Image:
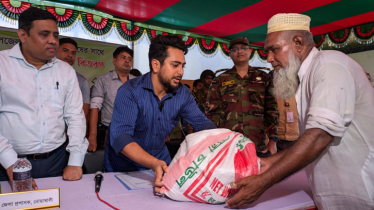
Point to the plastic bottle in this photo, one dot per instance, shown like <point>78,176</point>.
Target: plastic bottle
<point>22,180</point>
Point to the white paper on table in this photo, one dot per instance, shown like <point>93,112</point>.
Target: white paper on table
<point>137,180</point>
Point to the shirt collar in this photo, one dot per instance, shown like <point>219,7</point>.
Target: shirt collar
<point>15,52</point>
<point>307,62</point>
<point>147,84</point>
<point>114,75</point>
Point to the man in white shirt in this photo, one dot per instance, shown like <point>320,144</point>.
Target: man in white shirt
<point>335,103</point>
<point>38,94</point>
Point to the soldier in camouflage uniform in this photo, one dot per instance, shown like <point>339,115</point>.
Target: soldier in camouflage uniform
<point>206,78</point>
<point>241,99</point>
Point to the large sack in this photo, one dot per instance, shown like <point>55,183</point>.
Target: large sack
<point>205,165</point>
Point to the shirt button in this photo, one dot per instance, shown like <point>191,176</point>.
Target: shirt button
<point>43,123</point>
<point>40,88</point>
<point>159,119</point>
<point>156,134</point>
<point>42,106</point>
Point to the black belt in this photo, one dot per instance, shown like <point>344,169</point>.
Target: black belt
<point>40,156</point>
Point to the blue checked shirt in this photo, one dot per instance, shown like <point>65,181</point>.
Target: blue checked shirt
<point>137,118</point>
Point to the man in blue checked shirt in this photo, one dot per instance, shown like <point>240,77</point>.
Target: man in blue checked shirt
<point>147,108</point>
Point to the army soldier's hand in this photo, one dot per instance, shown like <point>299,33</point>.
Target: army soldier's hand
<point>159,168</point>
<point>271,146</point>
<point>251,188</point>
<point>92,143</point>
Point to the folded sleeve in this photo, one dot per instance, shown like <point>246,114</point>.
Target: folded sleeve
<point>332,99</point>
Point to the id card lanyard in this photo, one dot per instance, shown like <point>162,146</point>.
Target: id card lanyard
<point>289,112</point>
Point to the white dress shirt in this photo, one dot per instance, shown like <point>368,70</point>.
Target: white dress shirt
<point>34,105</point>
<point>335,95</point>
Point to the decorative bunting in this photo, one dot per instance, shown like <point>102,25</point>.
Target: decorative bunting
<point>262,54</point>
<point>100,27</point>
<point>65,17</point>
<point>13,11</point>
<point>96,25</point>
<point>208,47</point>
<point>188,41</point>
<point>153,33</point>
<point>132,33</point>
<point>319,40</point>
<point>225,49</point>
<point>347,39</point>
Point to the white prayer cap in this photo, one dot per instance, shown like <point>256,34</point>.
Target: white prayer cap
<point>288,21</point>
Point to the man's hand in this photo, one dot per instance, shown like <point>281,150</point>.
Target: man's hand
<point>9,171</point>
<point>159,168</point>
<point>271,146</point>
<point>252,188</point>
<point>92,143</point>
<point>72,173</point>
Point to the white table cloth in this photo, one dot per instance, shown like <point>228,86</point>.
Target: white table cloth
<point>292,193</point>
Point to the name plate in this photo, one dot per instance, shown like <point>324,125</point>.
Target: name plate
<point>38,199</point>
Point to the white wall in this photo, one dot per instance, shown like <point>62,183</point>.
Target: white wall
<point>366,60</point>
<point>196,61</point>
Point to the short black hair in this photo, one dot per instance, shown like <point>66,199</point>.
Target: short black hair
<point>121,49</point>
<point>69,41</point>
<point>160,45</point>
<point>135,72</point>
<point>195,82</point>
<point>28,16</point>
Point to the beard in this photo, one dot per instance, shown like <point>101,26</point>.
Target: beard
<point>286,80</point>
<point>167,82</point>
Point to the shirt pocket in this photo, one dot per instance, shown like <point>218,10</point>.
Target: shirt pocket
<point>58,96</point>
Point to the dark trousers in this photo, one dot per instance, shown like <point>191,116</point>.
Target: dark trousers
<point>284,144</point>
<point>52,166</point>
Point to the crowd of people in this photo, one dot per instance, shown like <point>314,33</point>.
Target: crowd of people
<point>315,110</point>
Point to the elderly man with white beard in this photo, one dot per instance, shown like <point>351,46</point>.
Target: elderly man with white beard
<point>335,104</point>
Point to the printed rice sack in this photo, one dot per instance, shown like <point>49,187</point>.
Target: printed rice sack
<point>206,163</point>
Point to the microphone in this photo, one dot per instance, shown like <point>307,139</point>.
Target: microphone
<point>98,178</point>
<point>161,106</point>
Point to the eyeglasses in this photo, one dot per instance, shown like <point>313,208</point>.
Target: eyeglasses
<point>241,49</point>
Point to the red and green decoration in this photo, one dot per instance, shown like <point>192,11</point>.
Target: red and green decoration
<point>319,40</point>
<point>340,36</point>
<point>224,48</point>
<point>347,39</point>
<point>188,40</point>
<point>65,17</point>
<point>129,31</point>
<point>364,34</point>
<point>95,24</point>
<point>12,9</point>
<point>262,54</point>
<point>207,46</point>
<point>153,33</point>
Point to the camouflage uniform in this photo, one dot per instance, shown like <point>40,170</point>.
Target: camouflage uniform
<point>201,96</point>
<point>245,105</point>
